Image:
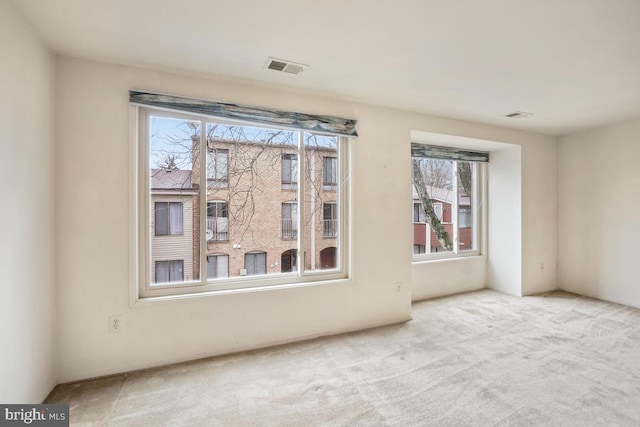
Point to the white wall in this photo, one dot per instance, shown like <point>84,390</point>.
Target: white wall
<point>522,217</point>
<point>505,221</point>
<point>27,320</point>
<point>599,203</point>
<point>92,184</point>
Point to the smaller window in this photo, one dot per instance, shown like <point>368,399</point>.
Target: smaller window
<point>419,249</point>
<point>289,171</point>
<point>218,167</point>
<point>217,266</point>
<point>438,208</point>
<point>329,220</point>
<point>169,271</point>
<point>289,220</point>
<point>418,213</point>
<point>217,221</point>
<point>288,261</point>
<point>255,263</point>
<point>465,218</point>
<point>328,258</point>
<point>168,218</point>
<point>330,173</point>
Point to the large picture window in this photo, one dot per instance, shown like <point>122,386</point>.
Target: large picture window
<point>260,214</point>
<point>447,205</point>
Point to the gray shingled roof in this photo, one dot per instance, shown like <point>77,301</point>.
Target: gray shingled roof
<point>170,179</point>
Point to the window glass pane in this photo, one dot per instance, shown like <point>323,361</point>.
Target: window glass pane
<point>322,225</point>
<point>289,167</point>
<point>255,263</point>
<point>254,212</point>
<point>222,267</point>
<point>175,217</point>
<point>217,266</point>
<point>176,273</point>
<point>217,166</point>
<point>433,193</point>
<point>162,272</point>
<point>161,218</point>
<point>174,196</point>
<point>330,172</point>
<point>466,200</point>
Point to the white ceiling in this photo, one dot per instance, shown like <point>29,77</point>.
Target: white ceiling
<point>575,64</point>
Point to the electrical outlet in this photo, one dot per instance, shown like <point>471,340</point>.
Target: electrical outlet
<point>398,286</point>
<point>116,323</point>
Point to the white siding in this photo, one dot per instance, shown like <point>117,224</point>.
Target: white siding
<point>165,248</point>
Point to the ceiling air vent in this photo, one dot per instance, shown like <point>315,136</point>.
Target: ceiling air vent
<point>518,115</point>
<point>285,66</point>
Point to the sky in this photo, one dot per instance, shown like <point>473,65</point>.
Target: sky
<point>171,137</point>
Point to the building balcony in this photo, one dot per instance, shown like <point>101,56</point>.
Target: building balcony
<point>289,229</point>
<point>329,228</point>
<point>217,229</point>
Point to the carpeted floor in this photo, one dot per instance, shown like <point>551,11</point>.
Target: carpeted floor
<point>481,359</point>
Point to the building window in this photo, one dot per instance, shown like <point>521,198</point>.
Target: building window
<point>169,271</point>
<point>328,258</point>
<point>255,162</point>
<point>446,207</point>
<point>289,261</point>
<point>329,220</point>
<point>418,213</point>
<point>438,208</point>
<point>255,263</point>
<point>329,173</point>
<point>217,266</point>
<point>465,219</point>
<point>217,221</point>
<point>218,167</point>
<point>168,218</point>
<point>289,171</point>
<point>290,220</point>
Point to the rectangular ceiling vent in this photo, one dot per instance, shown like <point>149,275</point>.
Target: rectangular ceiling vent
<point>518,115</point>
<point>285,66</point>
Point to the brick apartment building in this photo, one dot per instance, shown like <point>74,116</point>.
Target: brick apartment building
<point>252,211</point>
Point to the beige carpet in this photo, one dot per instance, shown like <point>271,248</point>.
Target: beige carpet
<point>482,359</point>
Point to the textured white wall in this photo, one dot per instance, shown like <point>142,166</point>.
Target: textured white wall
<point>92,190</point>
<point>522,216</point>
<point>92,184</point>
<point>505,221</point>
<point>599,203</point>
<point>27,319</point>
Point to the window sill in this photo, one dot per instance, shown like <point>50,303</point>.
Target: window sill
<point>153,300</point>
<point>448,258</point>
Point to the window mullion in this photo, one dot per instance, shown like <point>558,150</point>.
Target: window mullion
<point>454,209</point>
<point>302,218</point>
<point>202,235</point>
<point>475,200</point>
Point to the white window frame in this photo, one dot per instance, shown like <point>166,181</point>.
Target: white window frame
<point>479,226</point>
<point>141,288</point>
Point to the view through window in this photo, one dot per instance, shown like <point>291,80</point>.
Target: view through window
<point>446,206</point>
<point>257,210</point>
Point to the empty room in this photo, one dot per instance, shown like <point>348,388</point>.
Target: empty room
<point>320,213</point>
